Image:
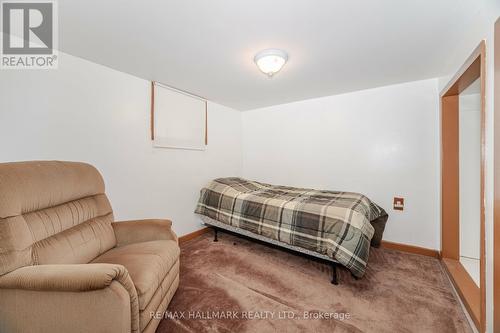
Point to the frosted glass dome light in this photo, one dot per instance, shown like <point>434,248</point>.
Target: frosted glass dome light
<point>270,61</point>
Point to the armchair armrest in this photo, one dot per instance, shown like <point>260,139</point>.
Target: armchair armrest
<point>77,293</point>
<point>136,231</point>
<point>82,277</point>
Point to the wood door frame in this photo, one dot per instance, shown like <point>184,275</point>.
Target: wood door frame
<point>496,182</point>
<point>473,297</point>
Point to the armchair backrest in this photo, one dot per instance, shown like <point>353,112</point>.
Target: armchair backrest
<point>52,213</point>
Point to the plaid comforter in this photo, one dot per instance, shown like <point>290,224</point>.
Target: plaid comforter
<point>336,224</point>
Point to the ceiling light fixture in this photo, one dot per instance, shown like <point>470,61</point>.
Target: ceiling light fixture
<point>270,61</point>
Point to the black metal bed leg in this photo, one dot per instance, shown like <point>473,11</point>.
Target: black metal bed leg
<point>335,279</point>
<point>215,235</point>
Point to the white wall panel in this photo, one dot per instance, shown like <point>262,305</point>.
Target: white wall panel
<point>87,112</point>
<point>382,142</point>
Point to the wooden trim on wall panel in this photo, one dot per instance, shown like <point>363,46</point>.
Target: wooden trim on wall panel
<point>152,110</point>
<point>482,251</point>
<point>467,78</point>
<point>496,182</point>
<point>467,74</point>
<point>473,69</point>
<point>193,235</point>
<point>410,249</point>
<point>450,178</point>
<point>466,288</point>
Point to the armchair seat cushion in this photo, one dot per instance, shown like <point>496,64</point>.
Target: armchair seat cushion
<point>148,263</point>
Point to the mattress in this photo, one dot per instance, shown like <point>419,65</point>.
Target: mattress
<point>331,223</point>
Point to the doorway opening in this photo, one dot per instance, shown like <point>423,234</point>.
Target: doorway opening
<point>462,183</point>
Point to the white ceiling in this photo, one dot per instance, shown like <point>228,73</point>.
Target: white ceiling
<point>206,47</point>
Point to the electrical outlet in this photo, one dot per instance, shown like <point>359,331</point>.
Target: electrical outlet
<point>399,203</point>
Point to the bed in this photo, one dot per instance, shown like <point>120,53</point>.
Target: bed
<point>335,226</point>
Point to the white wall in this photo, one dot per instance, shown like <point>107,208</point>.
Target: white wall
<point>382,142</point>
<point>87,112</point>
<point>470,174</point>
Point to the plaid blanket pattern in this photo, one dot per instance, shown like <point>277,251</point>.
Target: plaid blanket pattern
<point>336,224</point>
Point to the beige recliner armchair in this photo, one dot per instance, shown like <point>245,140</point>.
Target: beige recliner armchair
<point>65,266</point>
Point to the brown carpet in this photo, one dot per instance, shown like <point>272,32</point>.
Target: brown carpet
<point>259,285</point>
